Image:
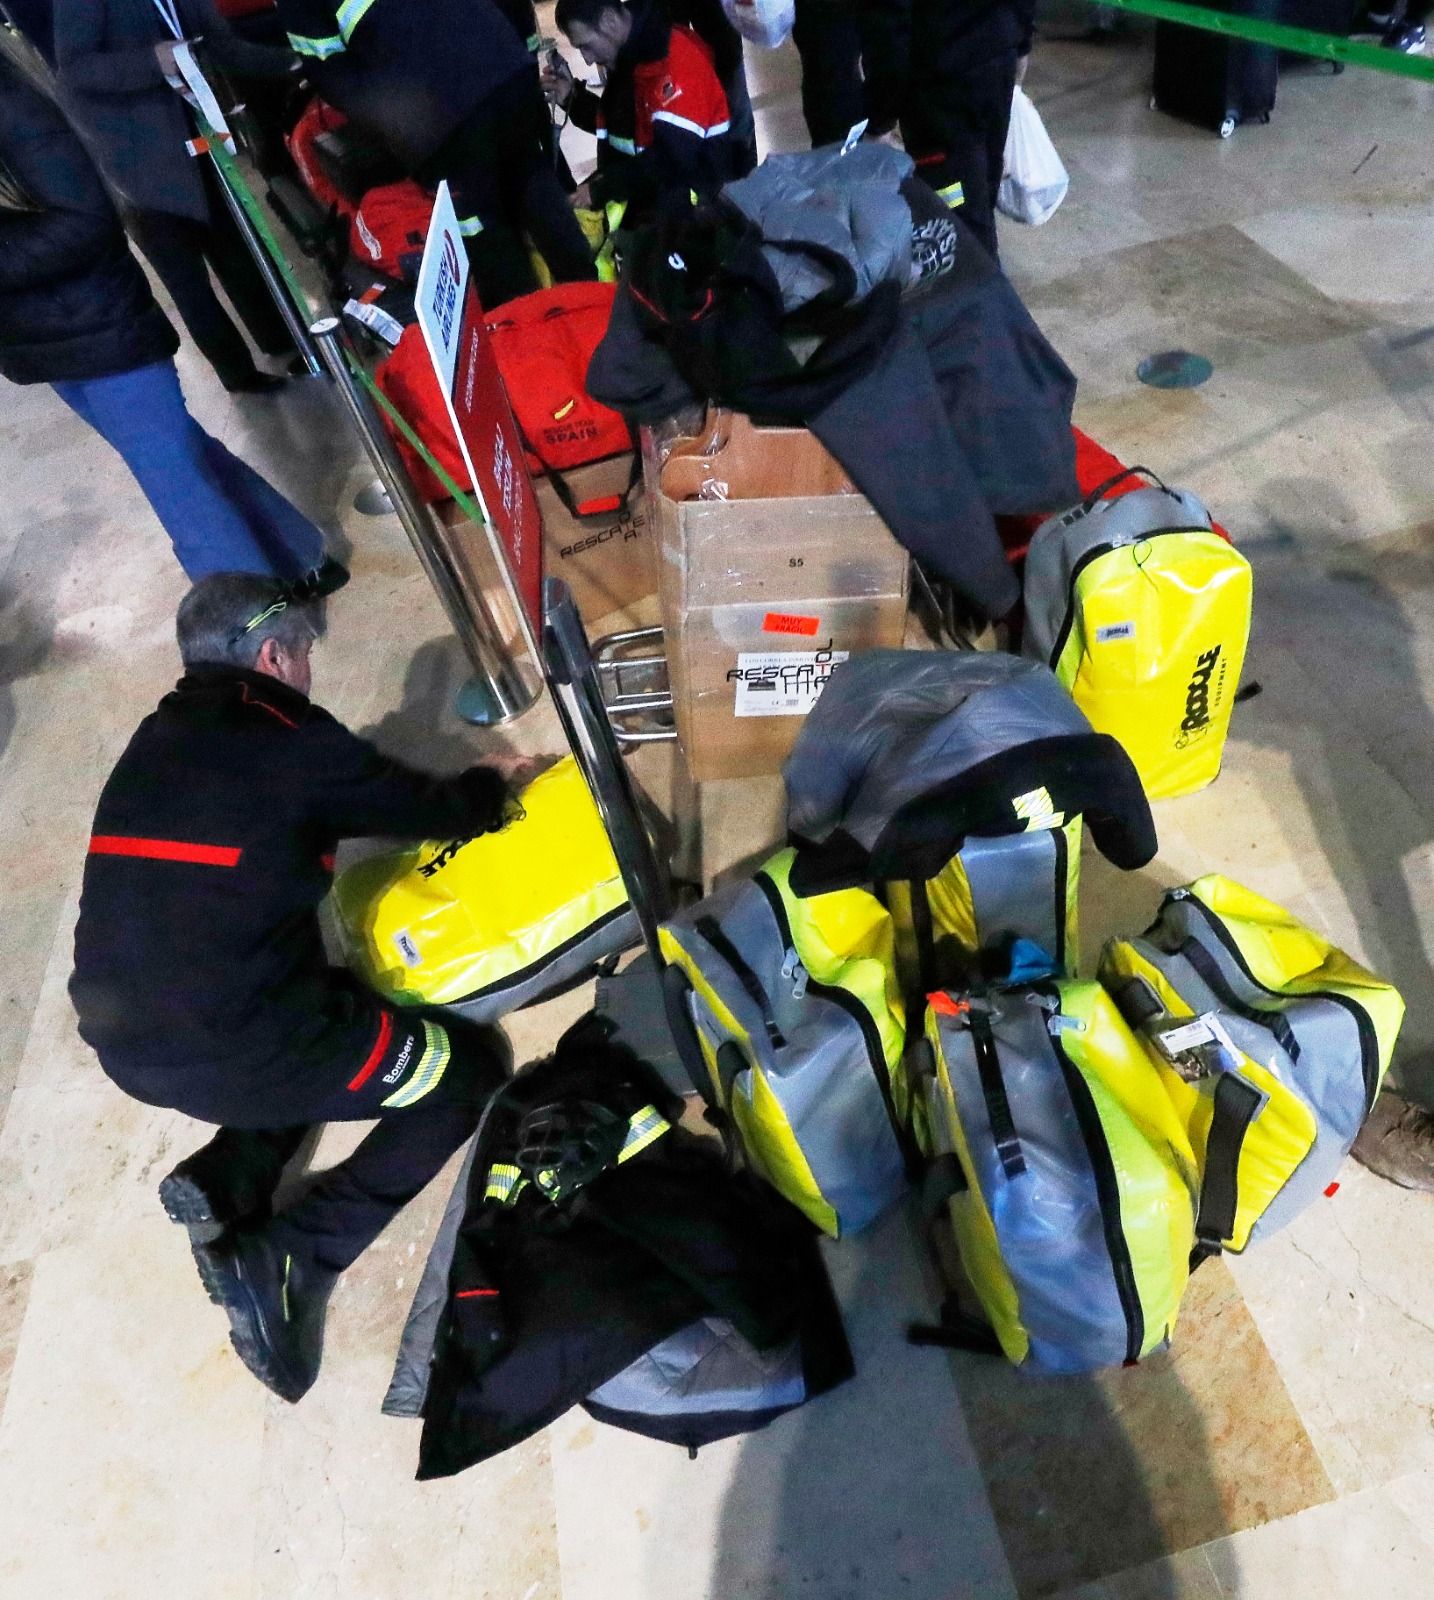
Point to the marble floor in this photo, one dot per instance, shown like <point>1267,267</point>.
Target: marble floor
<point>1284,1448</point>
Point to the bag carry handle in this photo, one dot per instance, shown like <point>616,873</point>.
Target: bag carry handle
<point>677,993</point>
<point>957,1330</point>
<point>993,1088</point>
<point>1236,1104</point>
<point>1097,495</point>
<point>607,505</point>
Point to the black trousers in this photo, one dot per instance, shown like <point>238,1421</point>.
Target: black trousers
<point>500,168</point>
<point>183,253</point>
<point>425,1081</point>
<point>954,125</point>
<point>833,99</point>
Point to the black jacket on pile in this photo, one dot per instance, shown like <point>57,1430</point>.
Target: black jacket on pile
<point>410,71</point>
<point>946,406</point>
<point>198,954</point>
<point>74,302</point>
<point>547,1302</point>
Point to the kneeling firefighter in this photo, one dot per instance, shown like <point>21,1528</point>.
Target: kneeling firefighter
<point>452,88</point>
<point>200,977</point>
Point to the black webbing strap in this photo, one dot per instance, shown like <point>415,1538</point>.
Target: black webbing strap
<point>1098,494</point>
<point>942,1181</point>
<point>957,1330</point>
<point>998,1106</point>
<point>677,1004</point>
<point>1215,980</point>
<point>712,933</point>
<point>1236,1103</point>
<point>925,932</point>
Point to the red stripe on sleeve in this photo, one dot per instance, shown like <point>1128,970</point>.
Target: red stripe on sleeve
<point>367,1070</point>
<point>475,1294</point>
<point>203,855</point>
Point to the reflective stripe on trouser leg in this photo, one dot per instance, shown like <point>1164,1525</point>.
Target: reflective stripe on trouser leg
<point>953,194</point>
<point>349,15</point>
<point>429,1070</point>
<point>316,49</point>
<point>470,227</point>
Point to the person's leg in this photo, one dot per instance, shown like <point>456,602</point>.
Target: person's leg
<point>174,247</point>
<point>143,416</point>
<point>427,1084</point>
<point>743,133</point>
<point>291,544</point>
<point>955,130</point>
<point>233,263</point>
<point>827,40</point>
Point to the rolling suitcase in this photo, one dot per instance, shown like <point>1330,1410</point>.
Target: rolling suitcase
<point>1213,82</point>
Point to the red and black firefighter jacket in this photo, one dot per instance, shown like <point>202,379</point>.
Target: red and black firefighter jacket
<point>661,121</point>
<point>198,956</point>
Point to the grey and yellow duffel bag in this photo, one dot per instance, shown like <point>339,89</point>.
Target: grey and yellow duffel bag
<point>1271,1044</point>
<point>993,892</point>
<point>1067,1175</point>
<point>792,1025</point>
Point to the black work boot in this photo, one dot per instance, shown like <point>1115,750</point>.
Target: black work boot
<point>276,1304</point>
<point>229,1182</point>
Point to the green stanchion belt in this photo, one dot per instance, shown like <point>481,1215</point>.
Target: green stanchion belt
<point>230,173</point>
<point>1301,41</point>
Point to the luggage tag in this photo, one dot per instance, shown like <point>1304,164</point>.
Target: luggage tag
<point>1196,1047</point>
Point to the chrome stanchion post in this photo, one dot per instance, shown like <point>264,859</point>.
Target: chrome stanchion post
<point>273,282</point>
<point>499,690</point>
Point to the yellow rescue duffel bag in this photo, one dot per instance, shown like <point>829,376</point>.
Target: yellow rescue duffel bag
<point>1142,611</point>
<point>487,925</point>
<point>1272,1045</point>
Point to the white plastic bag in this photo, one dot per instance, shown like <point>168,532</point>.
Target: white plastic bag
<point>764,22</point>
<point>1036,180</point>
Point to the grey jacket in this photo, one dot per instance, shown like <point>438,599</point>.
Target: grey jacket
<point>848,206</point>
<point>112,88</point>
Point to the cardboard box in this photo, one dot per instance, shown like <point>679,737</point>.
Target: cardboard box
<point>609,562</point>
<point>765,590</point>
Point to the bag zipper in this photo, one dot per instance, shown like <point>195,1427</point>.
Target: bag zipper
<point>1364,1026</point>
<point>1107,1190</point>
<point>871,1035</point>
<point>1093,554</point>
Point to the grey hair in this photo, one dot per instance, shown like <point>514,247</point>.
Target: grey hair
<point>218,622</point>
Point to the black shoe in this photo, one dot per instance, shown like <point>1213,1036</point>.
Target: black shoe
<point>324,579</point>
<point>257,383</point>
<point>1408,39</point>
<point>276,1304</point>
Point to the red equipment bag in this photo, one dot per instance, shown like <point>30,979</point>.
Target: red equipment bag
<point>389,229</point>
<point>408,380</point>
<point>1095,465</point>
<point>316,118</point>
<point>543,343</point>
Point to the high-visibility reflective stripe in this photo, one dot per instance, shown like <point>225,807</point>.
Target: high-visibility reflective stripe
<point>317,49</point>
<point>350,14</point>
<point>199,855</point>
<point>625,147</point>
<point>431,1066</point>
<point>690,126</point>
<point>504,1184</point>
<point>953,194</point>
<point>643,1128</point>
<point>470,227</point>
<point>535,42</point>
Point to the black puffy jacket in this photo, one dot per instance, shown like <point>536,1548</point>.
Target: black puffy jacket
<point>74,303</point>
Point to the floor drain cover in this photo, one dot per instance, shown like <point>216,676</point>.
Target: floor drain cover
<point>1174,369</point>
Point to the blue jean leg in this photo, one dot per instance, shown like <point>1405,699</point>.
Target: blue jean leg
<point>219,514</point>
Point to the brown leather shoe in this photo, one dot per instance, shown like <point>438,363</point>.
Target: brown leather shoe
<point>1398,1143</point>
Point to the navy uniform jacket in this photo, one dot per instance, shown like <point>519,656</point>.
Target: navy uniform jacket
<point>197,952</point>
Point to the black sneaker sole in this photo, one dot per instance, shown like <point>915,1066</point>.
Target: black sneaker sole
<point>186,1203</point>
<point>249,1333</point>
